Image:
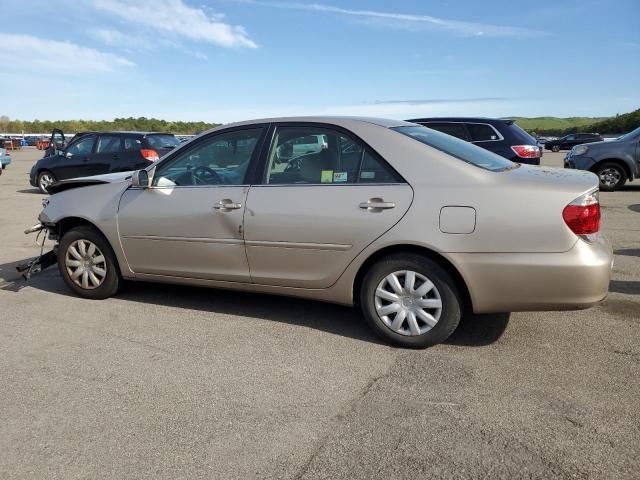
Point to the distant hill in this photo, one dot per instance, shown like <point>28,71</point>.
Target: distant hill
<point>554,123</point>
<point>562,126</point>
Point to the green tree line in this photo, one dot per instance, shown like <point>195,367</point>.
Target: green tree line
<point>613,125</point>
<point>142,124</point>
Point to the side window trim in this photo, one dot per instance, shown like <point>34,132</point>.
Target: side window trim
<point>260,174</point>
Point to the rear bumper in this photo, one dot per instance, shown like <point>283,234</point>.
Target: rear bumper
<point>512,282</point>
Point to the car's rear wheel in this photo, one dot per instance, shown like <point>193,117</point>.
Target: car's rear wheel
<point>612,176</point>
<point>410,301</point>
<point>555,148</point>
<point>87,263</point>
<point>45,178</point>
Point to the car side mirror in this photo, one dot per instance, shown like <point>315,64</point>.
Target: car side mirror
<point>140,178</point>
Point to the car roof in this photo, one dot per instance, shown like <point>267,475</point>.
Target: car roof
<point>344,121</point>
<point>126,132</point>
<point>462,119</point>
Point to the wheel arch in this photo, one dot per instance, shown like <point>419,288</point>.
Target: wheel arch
<point>467,303</point>
<point>617,161</point>
<point>63,225</point>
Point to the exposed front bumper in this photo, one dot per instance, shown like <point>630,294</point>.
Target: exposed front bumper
<point>512,282</point>
<point>578,162</point>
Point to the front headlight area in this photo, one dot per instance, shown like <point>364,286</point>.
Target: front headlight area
<point>579,150</point>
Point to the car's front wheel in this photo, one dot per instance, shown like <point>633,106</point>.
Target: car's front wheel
<point>45,178</point>
<point>612,176</point>
<point>410,301</point>
<point>555,148</point>
<point>87,263</point>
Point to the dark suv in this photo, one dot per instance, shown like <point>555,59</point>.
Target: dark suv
<point>499,136</point>
<point>569,141</point>
<point>95,153</point>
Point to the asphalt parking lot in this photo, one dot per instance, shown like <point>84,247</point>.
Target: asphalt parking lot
<point>180,382</point>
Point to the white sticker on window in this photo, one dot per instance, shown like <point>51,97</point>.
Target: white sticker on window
<point>340,176</point>
<point>368,175</point>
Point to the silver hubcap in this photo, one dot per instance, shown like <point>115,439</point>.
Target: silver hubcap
<point>45,180</point>
<point>85,264</point>
<point>609,177</point>
<point>408,303</point>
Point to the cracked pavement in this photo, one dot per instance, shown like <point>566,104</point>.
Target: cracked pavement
<point>179,382</point>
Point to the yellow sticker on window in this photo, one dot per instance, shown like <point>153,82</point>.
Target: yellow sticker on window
<point>326,176</point>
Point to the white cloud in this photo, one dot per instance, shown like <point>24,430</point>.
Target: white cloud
<point>176,17</point>
<point>51,55</point>
<point>407,21</point>
<point>116,38</point>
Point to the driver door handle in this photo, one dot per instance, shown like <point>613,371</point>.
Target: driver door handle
<point>376,204</point>
<point>226,204</point>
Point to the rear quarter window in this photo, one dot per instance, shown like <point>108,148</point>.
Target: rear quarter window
<point>482,132</point>
<point>465,151</point>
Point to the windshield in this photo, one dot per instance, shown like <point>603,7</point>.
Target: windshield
<point>163,141</point>
<point>455,147</point>
<point>632,134</point>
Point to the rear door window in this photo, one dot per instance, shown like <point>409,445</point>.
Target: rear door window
<point>458,130</point>
<point>108,144</point>
<point>339,159</point>
<point>482,132</point>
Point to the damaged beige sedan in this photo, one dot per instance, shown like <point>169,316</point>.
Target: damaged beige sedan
<point>414,226</point>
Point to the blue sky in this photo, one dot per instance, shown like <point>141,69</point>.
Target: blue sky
<point>226,60</point>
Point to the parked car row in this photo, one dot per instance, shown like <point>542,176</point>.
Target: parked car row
<point>96,153</point>
<point>405,221</point>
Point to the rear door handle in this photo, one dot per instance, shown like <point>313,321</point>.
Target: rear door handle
<point>226,204</point>
<point>378,204</point>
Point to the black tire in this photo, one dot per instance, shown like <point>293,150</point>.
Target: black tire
<point>39,180</point>
<point>606,180</point>
<point>112,280</point>
<point>555,148</point>
<point>444,283</point>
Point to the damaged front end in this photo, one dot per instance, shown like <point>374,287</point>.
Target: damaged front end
<point>44,260</point>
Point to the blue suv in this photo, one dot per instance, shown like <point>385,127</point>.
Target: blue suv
<point>500,136</point>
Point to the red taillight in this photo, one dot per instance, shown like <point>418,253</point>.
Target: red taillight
<point>526,151</point>
<point>582,215</point>
<point>149,155</point>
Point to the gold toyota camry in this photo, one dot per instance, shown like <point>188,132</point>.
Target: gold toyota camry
<point>413,225</point>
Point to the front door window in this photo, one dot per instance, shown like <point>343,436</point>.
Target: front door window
<point>221,159</point>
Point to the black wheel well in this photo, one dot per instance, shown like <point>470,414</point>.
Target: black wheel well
<point>415,249</point>
<point>67,223</point>
<point>617,161</point>
<point>45,169</point>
